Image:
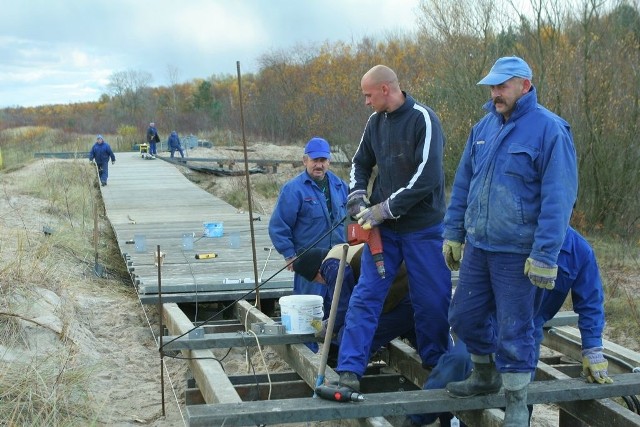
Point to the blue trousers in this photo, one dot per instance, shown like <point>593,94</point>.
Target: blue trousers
<point>152,148</point>
<point>429,290</point>
<point>103,171</point>
<point>493,306</point>
<point>178,149</point>
<point>454,365</point>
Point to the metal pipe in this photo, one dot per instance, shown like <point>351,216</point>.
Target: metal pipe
<point>249,200</point>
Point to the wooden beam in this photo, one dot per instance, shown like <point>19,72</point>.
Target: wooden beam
<point>395,404</point>
<point>205,368</point>
<point>567,340</point>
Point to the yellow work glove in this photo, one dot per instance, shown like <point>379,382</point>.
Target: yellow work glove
<point>452,252</point>
<point>374,215</point>
<point>321,328</point>
<point>541,275</point>
<point>595,366</point>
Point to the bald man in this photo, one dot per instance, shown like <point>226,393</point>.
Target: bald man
<point>404,139</point>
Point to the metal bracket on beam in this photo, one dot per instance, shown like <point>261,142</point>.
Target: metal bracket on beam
<point>268,328</point>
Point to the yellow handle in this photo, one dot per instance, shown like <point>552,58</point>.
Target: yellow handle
<point>206,256</point>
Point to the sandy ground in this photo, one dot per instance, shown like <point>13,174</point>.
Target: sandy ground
<point>108,328</point>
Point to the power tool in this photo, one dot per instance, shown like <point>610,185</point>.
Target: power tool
<point>338,394</point>
<point>357,235</point>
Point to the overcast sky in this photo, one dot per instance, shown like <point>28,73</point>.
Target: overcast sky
<point>63,51</point>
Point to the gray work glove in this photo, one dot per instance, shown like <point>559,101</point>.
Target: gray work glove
<point>321,328</point>
<point>541,275</point>
<point>375,215</point>
<point>595,366</point>
<point>356,202</point>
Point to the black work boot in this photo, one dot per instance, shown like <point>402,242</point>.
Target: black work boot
<point>516,414</point>
<point>349,379</point>
<point>484,379</point>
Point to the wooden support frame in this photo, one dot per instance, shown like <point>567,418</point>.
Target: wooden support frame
<point>399,404</point>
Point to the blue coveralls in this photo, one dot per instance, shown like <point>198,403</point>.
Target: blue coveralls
<point>152,139</point>
<point>394,323</point>
<point>511,199</point>
<point>301,217</point>
<point>101,153</point>
<point>578,273</point>
<point>174,144</point>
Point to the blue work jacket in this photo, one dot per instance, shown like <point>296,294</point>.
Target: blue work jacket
<point>301,216</point>
<point>516,183</point>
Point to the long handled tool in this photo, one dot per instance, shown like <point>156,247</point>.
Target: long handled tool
<point>332,319</point>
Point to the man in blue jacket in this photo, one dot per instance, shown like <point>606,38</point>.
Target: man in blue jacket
<point>100,154</point>
<point>404,139</point>
<point>578,273</point>
<point>309,205</point>
<point>152,139</point>
<point>510,206</point>
<point>174,144</point>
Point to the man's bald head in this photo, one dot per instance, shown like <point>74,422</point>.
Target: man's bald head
<point>381,74</point>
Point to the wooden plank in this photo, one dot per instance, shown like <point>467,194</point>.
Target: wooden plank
<point>397,404</point>
<point>205,368</point>
<point>595,412</point>
<point>566,340</point>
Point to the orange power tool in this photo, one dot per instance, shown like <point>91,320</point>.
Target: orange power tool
<point>357,235</point>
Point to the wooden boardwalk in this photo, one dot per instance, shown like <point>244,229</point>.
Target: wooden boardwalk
<point>151,203</point>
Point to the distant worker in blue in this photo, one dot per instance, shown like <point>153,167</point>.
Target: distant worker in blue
<point>321,266</point>
<point>174,144</point>
<point>101,153</point>
<point>309,205</point>
<point>152,139</point>
<point>579,275</point>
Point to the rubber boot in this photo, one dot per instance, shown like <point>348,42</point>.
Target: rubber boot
<point>516,414</point>
<point>484,379</point>
<point>349,379</point>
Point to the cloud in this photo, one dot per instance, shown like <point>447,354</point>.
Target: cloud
<point>65,51</point>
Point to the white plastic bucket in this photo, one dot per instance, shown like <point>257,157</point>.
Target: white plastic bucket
<point>297,312</point>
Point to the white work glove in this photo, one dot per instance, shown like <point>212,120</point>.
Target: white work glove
<point>595,366</point>
<point>374,215</point>
<point>541,275</point>
<point>452,252</point>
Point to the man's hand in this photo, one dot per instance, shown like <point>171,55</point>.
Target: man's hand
<point>374,215</point>
<point>113,162</point>
<point>452,252</point>
<point>594,366</point>
<point>357,202</point>
<point>541,275</point>
<point>289,262</point>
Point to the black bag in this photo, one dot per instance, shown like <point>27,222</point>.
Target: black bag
<point>156,138</point>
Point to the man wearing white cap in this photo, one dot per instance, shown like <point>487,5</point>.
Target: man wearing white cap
<point>510,206</point>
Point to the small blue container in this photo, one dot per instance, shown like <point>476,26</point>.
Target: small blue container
<point>213,229</point>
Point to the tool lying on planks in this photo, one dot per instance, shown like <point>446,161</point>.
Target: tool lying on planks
<point>356,235</point>
<point>339,394</point>
<point>206,256</point>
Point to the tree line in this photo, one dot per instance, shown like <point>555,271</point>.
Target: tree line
<point>585,56</point>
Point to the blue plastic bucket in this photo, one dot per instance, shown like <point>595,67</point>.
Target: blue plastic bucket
<point>213,229</point>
